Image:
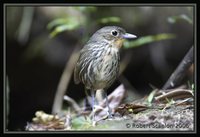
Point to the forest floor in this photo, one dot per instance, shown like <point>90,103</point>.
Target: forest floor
<point>139,115</point>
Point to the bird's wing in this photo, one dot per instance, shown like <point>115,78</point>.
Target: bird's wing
<point>79,65</point>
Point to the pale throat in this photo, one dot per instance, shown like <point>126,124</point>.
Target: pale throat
<point>115,44</point>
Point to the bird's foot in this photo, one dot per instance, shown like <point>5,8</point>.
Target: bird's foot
<point>110,114</point>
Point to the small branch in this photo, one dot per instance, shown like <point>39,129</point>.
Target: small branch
<point>161,91</point>
<point>64,80</point>
<point>175,94</point>
<point>73,103</point>
<point>180,71</point>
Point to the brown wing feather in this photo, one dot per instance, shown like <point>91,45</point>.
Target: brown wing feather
<point>77,68</point>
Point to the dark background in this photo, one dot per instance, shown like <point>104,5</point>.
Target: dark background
<point>35,62</point>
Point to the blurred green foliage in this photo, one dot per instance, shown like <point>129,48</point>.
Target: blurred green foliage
<point>81,123</point>
<point>71,23</point>
<point>174,19</point>
<point>63,24</point>
<point>85,123</point>
<point>147,39</point>
<point>109,20</point>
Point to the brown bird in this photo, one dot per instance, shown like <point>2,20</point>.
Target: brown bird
<point>98,64</point>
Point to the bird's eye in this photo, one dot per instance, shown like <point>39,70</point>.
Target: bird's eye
<point>114,33</point>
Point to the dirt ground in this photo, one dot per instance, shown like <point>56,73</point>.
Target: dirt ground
<point>178,118</point>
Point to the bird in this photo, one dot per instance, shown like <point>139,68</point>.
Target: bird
<point>98,64</point>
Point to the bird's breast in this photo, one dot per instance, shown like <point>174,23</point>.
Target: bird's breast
<point>100,69</point>
<point>108,69</point>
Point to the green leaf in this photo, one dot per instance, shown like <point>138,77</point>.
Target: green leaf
<point>151,96</point>
<point>147,39</point>
<point>192,87</point>
<point>57,22</point>
<point>109,20</point>
<point>175,19</point>
<point>81,123</point>
<point>63,24</point>
<point>62,28</point>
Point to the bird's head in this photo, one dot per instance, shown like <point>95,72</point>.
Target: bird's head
<point>112,34</point>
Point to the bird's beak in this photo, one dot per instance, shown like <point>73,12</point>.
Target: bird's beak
<point>129,36</point>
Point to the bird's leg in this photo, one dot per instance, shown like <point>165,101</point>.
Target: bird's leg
<point>107,104</point>
<point>88,104</point>
<point>93,105</point>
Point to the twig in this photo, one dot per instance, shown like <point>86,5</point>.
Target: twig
<point>175,94</point>
<point>73,103</point>
<point>161,91</point>
<point>64,80</point>
<point>180,71</point>
<point>183,101</point>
